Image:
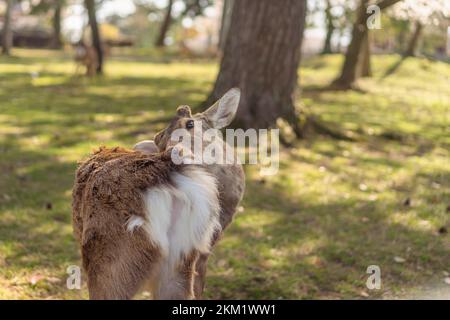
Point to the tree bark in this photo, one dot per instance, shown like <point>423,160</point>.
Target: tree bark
<point>330,29</point>
<point>261,57</point>
<point>96,40</point>
<point>365,65</point>
<point>225,24</point>
<point>165,25</point>
<point>7,37</point>
<point>348,75</point>
<point>56,41</point>
<point>413,45</point>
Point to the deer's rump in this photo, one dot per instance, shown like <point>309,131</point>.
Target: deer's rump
<point>109,185</point>
<point>133,211</point>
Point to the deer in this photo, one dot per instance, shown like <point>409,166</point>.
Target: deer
<point>86,56</point>
<point>145,222</point>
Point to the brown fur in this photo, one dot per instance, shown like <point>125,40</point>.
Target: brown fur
<point>86,56</point>
<point>107,191</point>
<point>231,186</point>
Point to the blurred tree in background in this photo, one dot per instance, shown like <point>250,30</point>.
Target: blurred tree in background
<point>95,32</point>
<point>261,57</point>
<point>55,7</point>
<point>357,51</point>
<point>165,25</point>
<point>419,14</point>
<point>225,22</point>
<point>7,32</point>
<point>192,8</point>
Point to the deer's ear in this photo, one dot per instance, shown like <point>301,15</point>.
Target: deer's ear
<point>184,111</point>
<point>222,113</point>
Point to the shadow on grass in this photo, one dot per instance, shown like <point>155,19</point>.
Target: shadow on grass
<point>393,69</point>
<point>35,219</point>
<point>346,235</point>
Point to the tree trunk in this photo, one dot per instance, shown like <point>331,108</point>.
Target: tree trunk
<point>348,75</point>
<point>7,32</point>
<point>225,24</point>
<point>339,43</point>
<point>96,41</point>
<point>165,25</point>
<point>56,41</point>
<point>365,66</point>
<point>261,57</point>
<point>413,45</point>
<point>352,57</point>
<point>330,29</point>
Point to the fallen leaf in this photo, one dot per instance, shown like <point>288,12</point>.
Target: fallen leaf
<point>36,278</point>
<point>364,294</point>
<point>399,259</point>
<point>443,230</point>
<point>53,279</point>
<point>222,263</point>
<point>407,202</point>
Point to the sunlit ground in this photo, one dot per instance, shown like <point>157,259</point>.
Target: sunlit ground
<point>311,231</point>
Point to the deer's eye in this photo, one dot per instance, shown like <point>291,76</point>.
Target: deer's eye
<point>190,124</point>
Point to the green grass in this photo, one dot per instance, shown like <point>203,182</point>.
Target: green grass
<point>311,231</point>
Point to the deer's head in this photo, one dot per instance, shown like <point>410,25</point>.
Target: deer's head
<point>218,116</point>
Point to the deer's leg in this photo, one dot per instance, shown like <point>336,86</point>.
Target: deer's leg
<point>202,262</point>
<point>200,275</point>
<point>201,267</point>
<point>177,283</point>
<point>117,269</point>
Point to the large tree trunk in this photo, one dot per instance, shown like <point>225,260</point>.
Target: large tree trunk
<point>330,29</point>
<point>165,25</point>
<point>7,32</point>
<point>261,57</point>
<point>56,41</point>
<point>226,21</point>
<point>96,40</point>
<point>413,45</point>
<point>364,68</point>
<point>348,75</point>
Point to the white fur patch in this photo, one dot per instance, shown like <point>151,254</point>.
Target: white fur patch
<point>183,216</point>
<point>134,222</point>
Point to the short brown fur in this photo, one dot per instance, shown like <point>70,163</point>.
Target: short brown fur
<point>108,190</point>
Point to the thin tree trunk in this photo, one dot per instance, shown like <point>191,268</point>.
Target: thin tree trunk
<point>413,45</point>
<point>330,30</point>
<point>348,75</point>
<point>56,41</point>
<point>7,37</point>
<point>349,69</point>
<point>165,25</point>
<point>225,24</point>
<point>261,57</point>
<point>365,66</point>
<point>96,40</point>
<point>339,43</point>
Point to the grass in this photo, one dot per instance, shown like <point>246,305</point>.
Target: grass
<point>311,231</point>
